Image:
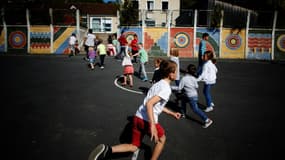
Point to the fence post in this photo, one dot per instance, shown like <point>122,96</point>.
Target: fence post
<point>169,12</point>
<point>50,15</point>
<point>118,24</point>
<point>221,28</point>
<point>51,30</point>
<point>195,29</point>
<point>143,13</point>
<point>78,24</point>
<point>246,33</point>
<point>88,21</point>
<point>273,34</point>
<point>28,30</point>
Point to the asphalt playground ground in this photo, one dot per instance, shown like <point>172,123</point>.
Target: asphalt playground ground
<point>56,108</point>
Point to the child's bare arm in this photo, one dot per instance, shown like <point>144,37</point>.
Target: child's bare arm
<point>149,105</point>
<point>176,115</point>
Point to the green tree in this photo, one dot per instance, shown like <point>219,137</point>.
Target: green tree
<point>128,13</point>
<point>192,4</point>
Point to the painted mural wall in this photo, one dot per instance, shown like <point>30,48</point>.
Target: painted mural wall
<point>182,38</point>
<point>60,41</point>
<point>156,41</point>
<point>279,52</point>
<point>233,44</point>
<point>259,45</point>
<point>213,41</point>
<point>40,37</point>
<point>2,40</point>
<point>129,32</point>
<point>17,39</point>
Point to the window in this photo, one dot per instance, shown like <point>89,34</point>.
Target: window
<point>96,24</point>
<point>150,23</point>
<point>164,5</point>
<point>150,5</point>
<point>100,24</point>
<point>107,24</point>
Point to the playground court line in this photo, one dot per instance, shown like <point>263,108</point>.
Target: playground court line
<point>126,89</point>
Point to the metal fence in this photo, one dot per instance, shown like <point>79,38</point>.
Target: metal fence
<point>260,35</point>
<point>208,18</point>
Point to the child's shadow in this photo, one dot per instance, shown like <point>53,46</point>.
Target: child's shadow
<point>136,74</point>
<point>126,138</point>
<point>144,89</point>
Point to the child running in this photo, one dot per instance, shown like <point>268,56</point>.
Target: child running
<point>145,120</point>
<point>189,84</point>
<point>91,56</point>
<point>156,74</point>
<point>101,50</point>
<point>209,76</point>
<point>201,51</point>
<point>128,70</point>
<point>143,61</point>
<point>174,56</point>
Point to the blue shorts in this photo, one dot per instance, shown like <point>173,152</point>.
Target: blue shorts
<point>92,60</point>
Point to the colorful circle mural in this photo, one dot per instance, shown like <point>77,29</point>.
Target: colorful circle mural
<point>181,40</point>
<point>17,39</point>
<point>233,41</point>
<point>129,35</point>
<point>281,43</point>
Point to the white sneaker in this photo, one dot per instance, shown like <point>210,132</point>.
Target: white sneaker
<point>135,154</point>
<point>212,104</point>
<point>207,123</point>
<point>209,109</point>
<point>102,67</point>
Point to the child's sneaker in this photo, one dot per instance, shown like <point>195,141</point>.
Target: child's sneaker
<point>144,79</point>
<point>135,154</point>
<point>212,104</point>
<point>101,152</point>
<point>209,109</point>
<point>208,122</point>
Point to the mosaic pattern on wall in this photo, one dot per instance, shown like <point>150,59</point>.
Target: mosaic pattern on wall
<point>233,44</point>
<point>61,37</point>
<point>17,39</point>
<point>279,52</point>
<point>40,40</point>
<point>182,38</point>
<point>213,42</point>
<point>2,40</point>
<point>259,45</point>
<point>156,41</point>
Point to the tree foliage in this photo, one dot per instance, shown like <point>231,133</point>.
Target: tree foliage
<point>192,4</point>
<point>129,14</point>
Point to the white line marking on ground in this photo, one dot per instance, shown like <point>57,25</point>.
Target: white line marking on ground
<point>126,89</point>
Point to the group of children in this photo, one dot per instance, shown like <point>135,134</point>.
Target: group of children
<point>100,52</point>
<point>145,120</point>
<point>189,85</point>
<point>93,47</point>
<point>128,69</point>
